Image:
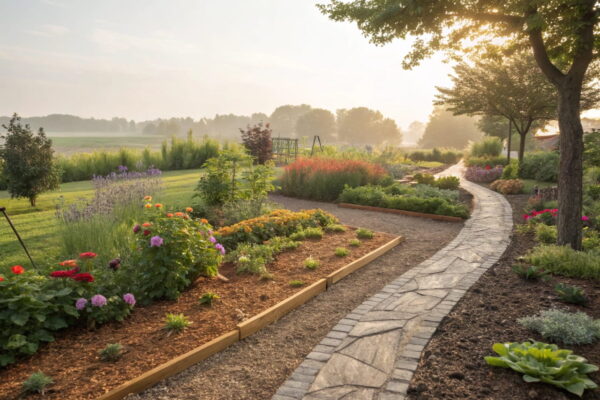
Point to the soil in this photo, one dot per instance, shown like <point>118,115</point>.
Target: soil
<point>72,359</point>
<point>255,367</point>
<point>452,365</point>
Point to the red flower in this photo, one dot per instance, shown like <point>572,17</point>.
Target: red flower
<point>146,232</point>
<point>488,167</point>
<point>83,277</point>
<point>87,255</point>
<point>1,279</point>
<point>64,274</point>
<point>17,270</point>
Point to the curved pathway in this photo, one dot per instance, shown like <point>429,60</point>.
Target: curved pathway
<point>373,352</point>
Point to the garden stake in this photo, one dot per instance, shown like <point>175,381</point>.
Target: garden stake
<point>3,209</point>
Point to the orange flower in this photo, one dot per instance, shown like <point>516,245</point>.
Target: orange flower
<point>146,224</point>
<point>169,215</point>
<point>17,269</point>
<point>179,214</point>
<point>148,205</point>
<point>189,209</point>
<point>158,205</point>
<point>204,221</point>
<point>68,263</point>
<point>147,198</point>
<point>186,217</point>
<point>87,255</point>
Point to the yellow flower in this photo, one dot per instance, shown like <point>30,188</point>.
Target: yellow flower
<point>148,205</point>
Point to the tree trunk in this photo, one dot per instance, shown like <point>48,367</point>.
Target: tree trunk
<point>32,201</point>
<point>522,136</point>
<point>570,177</point>
<point>509,144</point>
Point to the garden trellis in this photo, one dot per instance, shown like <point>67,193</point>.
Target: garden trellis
<point>285,149</point>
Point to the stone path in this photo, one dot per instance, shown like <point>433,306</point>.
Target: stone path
<point>373,352</point>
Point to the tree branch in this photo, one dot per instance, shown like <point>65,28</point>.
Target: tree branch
<point>541,57</point>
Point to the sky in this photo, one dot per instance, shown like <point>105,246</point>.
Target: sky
<point>162,58</point>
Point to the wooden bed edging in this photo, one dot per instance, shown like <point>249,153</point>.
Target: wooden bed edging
<point>244,329</point>
<point>361,262</point>
<point>402,212</point>
<point>173,366</point>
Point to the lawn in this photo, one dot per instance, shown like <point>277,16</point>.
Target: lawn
<point>79,144</point>
<point>37,225</point>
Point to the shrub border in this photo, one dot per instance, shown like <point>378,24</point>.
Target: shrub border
<point>446,218</point>
<point>244,329</point>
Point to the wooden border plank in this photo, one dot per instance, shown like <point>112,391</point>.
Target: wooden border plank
<point>272,314</point>
<point>173,366</point>
<point>361,262</point>
<point>402,212</point>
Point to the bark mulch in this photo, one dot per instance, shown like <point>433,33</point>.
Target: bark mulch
<point>72,359</point>
<point>452,365</point>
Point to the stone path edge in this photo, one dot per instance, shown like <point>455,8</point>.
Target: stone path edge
<point>486,236</point>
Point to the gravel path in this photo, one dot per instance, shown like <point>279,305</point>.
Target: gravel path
<point>255,367</point>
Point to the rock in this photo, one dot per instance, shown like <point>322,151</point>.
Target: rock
<point>457,375</point>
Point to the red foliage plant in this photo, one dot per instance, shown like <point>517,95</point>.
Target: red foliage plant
<point>257,139</point>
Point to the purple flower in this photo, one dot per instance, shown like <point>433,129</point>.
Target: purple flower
<point>80,303</point>
<point>123,168</point>
<point>98,300</point>
<point>115,264</point>
<point>129,299</point>
<point>212,239</point>
<point>137,228</point>
<point>220,247</point>
<point>156,241</point>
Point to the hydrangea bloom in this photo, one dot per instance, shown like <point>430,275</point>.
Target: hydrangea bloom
<point>129,299</point>
<point>220,247</point>
<point>80,303</point>
<point>212,239</point>
<point>98,300</point>
<point>156,241</point>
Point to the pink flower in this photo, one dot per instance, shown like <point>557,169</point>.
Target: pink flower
<point>585,218</point>
<point>80,303</point>
<point>156,241</point>
<point>129,299</point>
<point>212,239</point>
<point>98,300</point>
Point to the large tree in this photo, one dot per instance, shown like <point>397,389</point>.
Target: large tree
<point>362,125</point>
<point>317,122</point>
<point>447,130</point>
<point>512,88</point>
<point>29,168</point>
<point>561,34</point>
<point>283,119</point>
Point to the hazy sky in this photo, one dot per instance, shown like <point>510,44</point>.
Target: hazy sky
<point>159,58</point>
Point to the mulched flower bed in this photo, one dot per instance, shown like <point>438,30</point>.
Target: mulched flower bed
<point>452,366</point>
<point>72,360</point>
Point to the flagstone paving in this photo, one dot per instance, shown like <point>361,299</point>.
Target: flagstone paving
<point>373,352</point>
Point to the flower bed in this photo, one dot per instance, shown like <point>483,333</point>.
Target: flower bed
<point>324,179</point>
<point>486,174</point>
<point>73,357</point>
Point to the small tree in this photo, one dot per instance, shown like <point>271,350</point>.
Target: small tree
<point>257,140</point>
<point>29,167</point>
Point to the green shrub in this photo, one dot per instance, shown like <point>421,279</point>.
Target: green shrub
<point>252,258</point>
<point>541,362</point>
<point>174,252</point>
<point>243,209</point>
<point>335,228</point>
<point>296,283</point>
<point>511,170</point>
<point>111,352</point>
<point>483,162</point>
<point>325,179</point>
<point>591,153</point>
<point>341,252</point>
<point>546,234</point>
<point>541,166</point>
<point>208,298</point>
<point>363,233</point>
<point>311,263</point>
<point>563,326</point>
<point>563,260</point>
<point>529,272</point>
<point>354,243</point>
<point>176,322</point>
<point>37,383</point>
<point>510,186</point>
<point>298,236</point>
<point>424,179</point>
<point>488,147</point>
<point>571,294</point>
<point>440,155</point>
<point>313,233</point>
<point>280,244</point>
<point>447,182</point>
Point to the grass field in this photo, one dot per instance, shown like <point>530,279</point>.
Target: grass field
<point>78,144</point>
<point>38,225</point>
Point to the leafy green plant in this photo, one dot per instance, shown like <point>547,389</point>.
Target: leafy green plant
<point>487,147</point>
<point>341,252</point>
<point>311,263</point>
<point>447,182</point>
<point>208,298</point>
<point>511,171</point>
<point>176,322</point>
<point>424,179</point>
<point>296,283</point>
<point>313,233</point>
<point>354,242</point>
<point>335,228</point>
<point>541,362</point>
<point>529,272</point>
<point>563,260</point>
<point>111,352</point>
<point>541,166</point>
<point>37,383</point>
<point>563,326</point>
<point>571,294</point>
<point>252,258</point>
<point>545,233</point>
<point>280,244</point>
<point>363,233</point>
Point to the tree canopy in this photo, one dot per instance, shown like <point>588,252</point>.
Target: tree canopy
<point>361,125</point>
<point>317,122</point>
<point>447,130</point>
<point>283,119</point>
